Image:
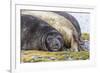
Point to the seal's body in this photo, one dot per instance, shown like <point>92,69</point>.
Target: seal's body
<point>75,23</point>
<point>72,19</point>
<point>37,34</point>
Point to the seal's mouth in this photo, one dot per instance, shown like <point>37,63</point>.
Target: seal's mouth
<point>53,41</point>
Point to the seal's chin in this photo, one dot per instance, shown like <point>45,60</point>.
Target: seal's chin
<point>54,42</point>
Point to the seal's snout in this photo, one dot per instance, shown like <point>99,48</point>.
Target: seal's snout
<point>56,43</point>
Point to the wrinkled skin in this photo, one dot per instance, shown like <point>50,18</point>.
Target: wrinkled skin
<point>37,34</point>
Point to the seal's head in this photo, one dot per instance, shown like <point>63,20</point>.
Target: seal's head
<point>54,41</point>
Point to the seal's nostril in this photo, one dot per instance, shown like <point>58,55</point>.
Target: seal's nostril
<point>56,44</point>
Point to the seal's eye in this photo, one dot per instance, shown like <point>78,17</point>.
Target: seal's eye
<point>49,39</point>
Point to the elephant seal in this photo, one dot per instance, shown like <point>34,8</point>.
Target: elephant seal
<point>61,24</point>
<point>37,34</point>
